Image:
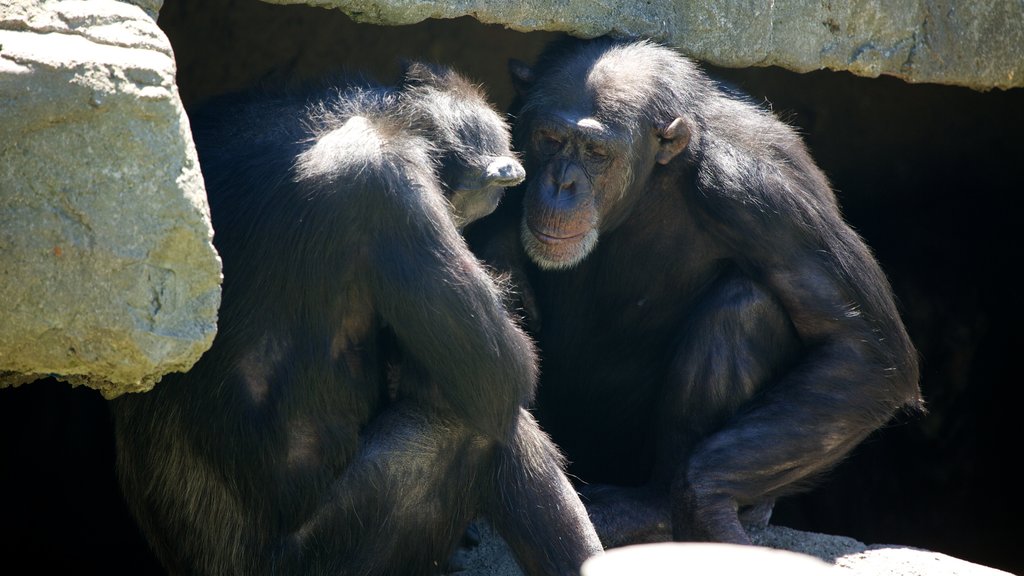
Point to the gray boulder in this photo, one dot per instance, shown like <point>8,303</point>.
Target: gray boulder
<point>108,277</point>
<point>975,44</point>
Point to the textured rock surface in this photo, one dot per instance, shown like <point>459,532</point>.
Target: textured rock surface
<point>974,44</point>
<point>107,274</point>
<point>844,557</point>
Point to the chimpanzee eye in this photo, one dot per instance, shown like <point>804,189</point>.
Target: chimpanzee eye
<point>547,143</point>
<point>595,153</point>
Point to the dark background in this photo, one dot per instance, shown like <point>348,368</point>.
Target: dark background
<point>929,174</point>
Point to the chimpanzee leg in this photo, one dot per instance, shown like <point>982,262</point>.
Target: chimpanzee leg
<point>629,515</point>
<point>405,501</point>
<point>735,341</point>
<point>401,505</point>
<point>774,447</point>
<point>535,508</point>
<point>738,341</point>
<point>761,429</point>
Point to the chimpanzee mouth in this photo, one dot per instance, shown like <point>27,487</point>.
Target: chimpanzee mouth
<point>547,238</point>
<point>551,252</point>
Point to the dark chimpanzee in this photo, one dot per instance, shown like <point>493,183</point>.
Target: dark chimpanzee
<point>712,334</point>
<point>362,400</point>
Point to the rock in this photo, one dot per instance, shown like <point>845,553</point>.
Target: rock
<point>974,44</point>
<point>779,550</point>
<point>108,276</point>
<point>854,558</point>
<point>703,559</point>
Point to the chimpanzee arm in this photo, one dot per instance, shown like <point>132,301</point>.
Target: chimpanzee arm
<point>788,234</point>
<point>447,313</point>
<point>857,367</point>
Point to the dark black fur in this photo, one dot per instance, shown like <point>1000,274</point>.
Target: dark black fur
<point>362,401</point>
<point>713,335</point>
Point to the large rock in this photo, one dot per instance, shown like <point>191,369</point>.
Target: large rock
<point>974,44</point>
<point>108,277</point>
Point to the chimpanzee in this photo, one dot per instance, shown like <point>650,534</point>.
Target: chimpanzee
<point>712,334</point>
<point>363,400</point>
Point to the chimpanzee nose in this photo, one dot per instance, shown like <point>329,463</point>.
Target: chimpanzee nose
<point>505,171</point>
<point>565,178</point>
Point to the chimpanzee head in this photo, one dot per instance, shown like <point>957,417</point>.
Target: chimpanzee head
<point>476,158</point>
<point>590,147</point>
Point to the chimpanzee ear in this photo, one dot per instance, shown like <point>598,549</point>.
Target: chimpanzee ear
<point>673,138</point>
<point>522,76</point>
<point>415,73</point>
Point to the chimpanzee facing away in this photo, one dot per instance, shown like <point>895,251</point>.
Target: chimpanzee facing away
<point>362,401</point>
<point>712,334</point>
